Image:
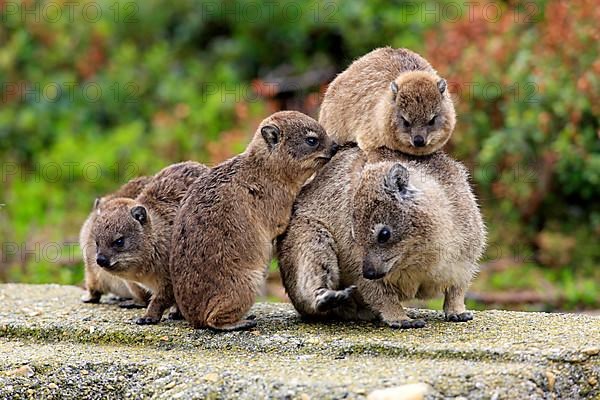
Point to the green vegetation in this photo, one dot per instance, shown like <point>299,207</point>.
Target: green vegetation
<point>98,93</point>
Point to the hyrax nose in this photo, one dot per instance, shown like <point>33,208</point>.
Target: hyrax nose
<point>102,261</point>
<point>419,141</point>
<point>370,272</point>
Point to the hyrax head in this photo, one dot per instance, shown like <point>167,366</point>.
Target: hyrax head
<point>120,230</point>
<point>389,219</point>
<point>422,116</point>
<point>298,142</point>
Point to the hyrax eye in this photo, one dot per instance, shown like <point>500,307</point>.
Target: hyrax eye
<point>384,235</point>
<point>312,141</point>
<point>405,122</point>
<point>120,242</point>
<point>432,121</point>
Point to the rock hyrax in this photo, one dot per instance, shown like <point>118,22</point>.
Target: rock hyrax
<point>398,230</point>
<point>229,219</point>
<point>97,281</point>
<point>134,235</point>
<point>389,98</point>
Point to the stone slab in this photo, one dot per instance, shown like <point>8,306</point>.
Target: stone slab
<point>53,345</point>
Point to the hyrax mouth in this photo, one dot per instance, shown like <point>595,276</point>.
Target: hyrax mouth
<point>105,263</point>
<point>332,152</point>
<point>373,275</point>
<point>370,272</point>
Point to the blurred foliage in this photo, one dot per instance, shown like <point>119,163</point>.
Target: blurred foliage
<point>528,95</point>
<point>112,90</point>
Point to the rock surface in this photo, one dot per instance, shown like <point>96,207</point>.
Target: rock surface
<point>53,346</point>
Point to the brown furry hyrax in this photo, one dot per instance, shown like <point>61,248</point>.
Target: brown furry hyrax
<point>98,281</point>
<point>389,98</point>
<point>133,236</point>
<point>229,219</point>
<point>397,230</point>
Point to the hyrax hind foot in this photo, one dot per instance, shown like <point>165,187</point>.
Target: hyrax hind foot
<point>454,305</point>
<point>242,325</point>
<point>131,304</point>
<point>91,297</point>
<point>406,324</point>
<point>462,317</point>
<point>328,299</point>
<point>174,314</point>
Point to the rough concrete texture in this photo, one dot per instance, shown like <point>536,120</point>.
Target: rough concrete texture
<point>53,346</point>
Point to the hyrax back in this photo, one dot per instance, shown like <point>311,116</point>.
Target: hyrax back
<point>97,281</point>
<point>389,98</point>
<point>228,220</point>
<point>405,228</point>
<point>134,235</point>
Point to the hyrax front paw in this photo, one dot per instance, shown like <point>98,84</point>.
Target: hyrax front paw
<point>462,317</point>
<point>147,320</point>
<point>406,324</point>
<point>328,299</point>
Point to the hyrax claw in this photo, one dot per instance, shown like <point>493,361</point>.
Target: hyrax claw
<point>462,317</point>
<point>407,324</point>
<point>147,321</point>
<point>328,299</point>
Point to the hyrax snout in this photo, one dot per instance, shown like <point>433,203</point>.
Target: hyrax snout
<point>121,235</point>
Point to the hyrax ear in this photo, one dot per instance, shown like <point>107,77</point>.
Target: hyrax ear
<point>140,214</point>
<point>441,84</point>
<point>394,88</point>
<point>271,135</point>
<point>396,179</point>
<point>97,203</point>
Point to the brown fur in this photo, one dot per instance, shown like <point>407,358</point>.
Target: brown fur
<point>331,263</point>
<point>360,105</point>
<point>145,224</point>
<point>229,219</point>
<point>97,281</point>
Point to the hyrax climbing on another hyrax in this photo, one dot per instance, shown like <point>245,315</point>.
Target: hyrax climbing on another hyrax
<point>133,236</point>
<point>98,281</point>
<point>397,230</point>
<point>389,98</point>
<point>229,219</point>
